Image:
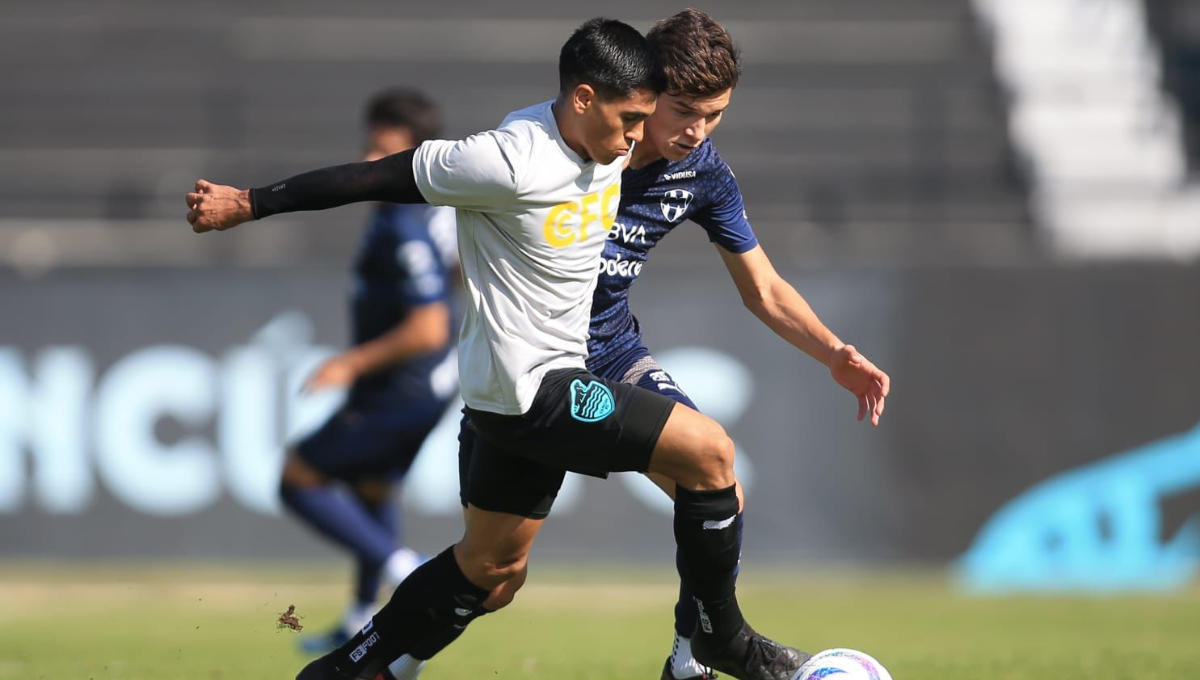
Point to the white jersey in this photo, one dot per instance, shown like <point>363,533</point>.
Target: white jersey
<point>533,218</point>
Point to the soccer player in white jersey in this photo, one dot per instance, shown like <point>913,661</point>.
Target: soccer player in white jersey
<point>535,199</point>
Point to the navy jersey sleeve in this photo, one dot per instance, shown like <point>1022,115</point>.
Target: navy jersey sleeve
<point>724,218</point>
<point>421,268</point>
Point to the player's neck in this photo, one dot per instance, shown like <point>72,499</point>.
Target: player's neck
<point>565,131</point>
<point>643,154</point>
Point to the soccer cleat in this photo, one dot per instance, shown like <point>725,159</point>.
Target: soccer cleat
<point>750,656</point>
<point>668,675</point>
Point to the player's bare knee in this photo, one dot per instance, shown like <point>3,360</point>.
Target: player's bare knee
<point>491,568</point>
<point>373,490</point>
<point>715,459</point>
<point>297,474</point>
<point>504,595</point>
<point>506,568</point>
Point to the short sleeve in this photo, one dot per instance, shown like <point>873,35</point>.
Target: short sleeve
<point>475,173</point>
<point>725,217</point>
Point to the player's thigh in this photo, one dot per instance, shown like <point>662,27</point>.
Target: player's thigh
<point>647,374</point>
<point>694,450</point>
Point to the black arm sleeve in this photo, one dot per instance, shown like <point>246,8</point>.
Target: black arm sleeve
<point>389,179</point>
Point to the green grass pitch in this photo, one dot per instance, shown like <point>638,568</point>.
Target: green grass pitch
<point>110,622</point>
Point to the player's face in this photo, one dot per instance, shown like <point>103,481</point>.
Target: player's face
<point>611,127</point>
<point>385,141</point>
<point>681,123</point>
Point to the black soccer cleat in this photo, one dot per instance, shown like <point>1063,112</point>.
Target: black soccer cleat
<point>668,675</point>
<point>750,656</point>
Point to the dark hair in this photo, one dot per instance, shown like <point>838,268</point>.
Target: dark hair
<point>402,107</point>
<point>698,57</point>
<point>611,57</point>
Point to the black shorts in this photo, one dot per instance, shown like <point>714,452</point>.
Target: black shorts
<point>577,423</point>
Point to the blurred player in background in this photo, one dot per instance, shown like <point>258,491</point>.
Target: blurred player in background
<point>401,373</point>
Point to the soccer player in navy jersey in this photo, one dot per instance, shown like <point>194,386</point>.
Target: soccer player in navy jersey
<point>674,175</point>
<point>401,373</point>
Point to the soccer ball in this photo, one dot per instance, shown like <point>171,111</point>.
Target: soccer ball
<point>842,664</point>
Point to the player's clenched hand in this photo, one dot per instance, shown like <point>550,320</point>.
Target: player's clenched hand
<point>216,207</point>
<point>336,372</point>
<point>869,384</point>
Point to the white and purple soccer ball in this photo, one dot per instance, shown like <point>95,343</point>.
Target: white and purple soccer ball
<point>842,664</point>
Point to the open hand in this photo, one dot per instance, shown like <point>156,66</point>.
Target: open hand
<point>857,374</point>
<point>336,372</point>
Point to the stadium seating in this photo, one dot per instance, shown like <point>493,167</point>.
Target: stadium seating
<point>863,130</point>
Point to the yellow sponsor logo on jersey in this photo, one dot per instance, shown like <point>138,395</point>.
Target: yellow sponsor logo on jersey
<point>568,222</point>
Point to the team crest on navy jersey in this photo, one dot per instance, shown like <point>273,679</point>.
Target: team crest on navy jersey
<point>591,402</point>
<point>675,203</point>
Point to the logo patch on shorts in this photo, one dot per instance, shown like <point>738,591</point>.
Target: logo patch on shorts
<point>591,402</point>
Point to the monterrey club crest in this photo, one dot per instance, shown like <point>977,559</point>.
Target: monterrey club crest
<point>675,203</point>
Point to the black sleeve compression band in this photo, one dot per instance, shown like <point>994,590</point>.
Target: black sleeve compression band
<point>389,179</point>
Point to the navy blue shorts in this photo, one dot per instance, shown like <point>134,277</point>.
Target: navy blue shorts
<point>637,367</point>
<point>370,442</point>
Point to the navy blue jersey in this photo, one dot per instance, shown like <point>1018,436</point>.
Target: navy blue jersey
<point>654,200</point>
<point>404,262</point>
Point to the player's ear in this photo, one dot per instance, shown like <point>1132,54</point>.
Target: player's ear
<point>582,97</point>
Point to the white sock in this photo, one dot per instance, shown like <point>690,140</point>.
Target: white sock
<point>402,563</point>
<point>357,616</point>
<point>406,668</point>
<point>683,664</point>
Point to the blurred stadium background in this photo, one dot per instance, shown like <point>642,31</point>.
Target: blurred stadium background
<point>995,199</point>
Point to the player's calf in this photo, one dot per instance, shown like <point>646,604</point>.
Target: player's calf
<point>429,610</point>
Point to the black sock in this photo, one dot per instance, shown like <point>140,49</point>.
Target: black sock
<point>706,532</point>
<point>686,618</point>
<point>428,611</point>
<point>685,607</point>
<point>425,648</point>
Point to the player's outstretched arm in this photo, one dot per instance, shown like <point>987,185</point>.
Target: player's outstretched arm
<point>781,307</point>
<point>217,207</point>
